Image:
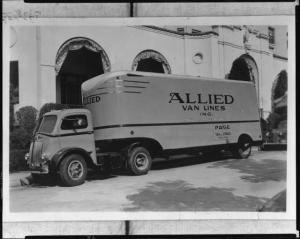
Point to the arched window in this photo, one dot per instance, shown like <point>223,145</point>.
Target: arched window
<point>78,60</point>
<point>244,68</point>
<point>151,61</point>
<point>279,91</point>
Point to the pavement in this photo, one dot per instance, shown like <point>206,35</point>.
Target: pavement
<point>205,183</point>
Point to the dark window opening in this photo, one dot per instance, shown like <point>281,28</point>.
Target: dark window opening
<point>79,66</point>
<point>14,81</point>
<point>239,70</point>
<point>74,122</point>
<point>281,86</point>
<point>150,65</point>
<point>271,35</point>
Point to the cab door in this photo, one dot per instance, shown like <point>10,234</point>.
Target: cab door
<point>76,131</point>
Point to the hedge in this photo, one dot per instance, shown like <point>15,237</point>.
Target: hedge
<point>27,117</point>
<point>16,160</point>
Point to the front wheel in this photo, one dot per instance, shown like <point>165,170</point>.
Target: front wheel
<point>243,148</point>
<point>139,161</point>
<point>73,170</point>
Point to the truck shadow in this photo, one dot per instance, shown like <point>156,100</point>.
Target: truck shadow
<point>43,181</point>
<point>189,160</point>
<point>158,164</point>
<point>178,161</point>
<point>94,175</point>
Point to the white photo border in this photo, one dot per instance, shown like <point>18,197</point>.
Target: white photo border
<point>289,215</point>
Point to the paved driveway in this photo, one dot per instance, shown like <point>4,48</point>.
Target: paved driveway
<point>206,183</point>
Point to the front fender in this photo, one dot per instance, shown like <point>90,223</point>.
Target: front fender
<point>59,155</point>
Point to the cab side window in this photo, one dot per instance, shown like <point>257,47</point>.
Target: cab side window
<point>74,122</point>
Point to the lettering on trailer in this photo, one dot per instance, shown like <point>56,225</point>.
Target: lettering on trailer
<point>206,103</point>
<point>222,131</point>
<point>91,99</point>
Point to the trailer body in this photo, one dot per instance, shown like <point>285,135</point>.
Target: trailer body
<point>175,111</point>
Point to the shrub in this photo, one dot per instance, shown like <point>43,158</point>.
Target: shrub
<point>26,117</point>
<point>273,120</point>
<point>16,160</point>
<point>19,139</point>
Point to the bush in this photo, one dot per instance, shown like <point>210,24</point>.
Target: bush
<point>273,120</point>
<point>26,117</point>
<point>20,139</point>
<point>16,160</point>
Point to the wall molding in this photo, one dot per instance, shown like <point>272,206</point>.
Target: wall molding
<point>182,35</point>
<point>242,47</point>
<point>280,57</point>
<point>263,36</point>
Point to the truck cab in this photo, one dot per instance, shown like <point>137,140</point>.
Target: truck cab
<point>64,146</point>
<point>64,142</point>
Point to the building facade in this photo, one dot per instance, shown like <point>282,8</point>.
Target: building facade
<point>49,63</point>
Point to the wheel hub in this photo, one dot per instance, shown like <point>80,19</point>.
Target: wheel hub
<point>141,161</point>
<point>75,170</point>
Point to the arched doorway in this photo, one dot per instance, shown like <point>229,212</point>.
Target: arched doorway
<point>279,90</point>
<point>78,60</point>
<point>244,68</point>
<point>278,117</point>
<point>151,61</point>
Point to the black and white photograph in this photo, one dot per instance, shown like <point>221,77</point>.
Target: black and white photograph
<point>162,117</point>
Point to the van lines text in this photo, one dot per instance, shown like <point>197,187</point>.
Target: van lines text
<point>197,102</point>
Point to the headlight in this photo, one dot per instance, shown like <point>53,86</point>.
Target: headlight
<point>27,156</point>
<point>44,157</point>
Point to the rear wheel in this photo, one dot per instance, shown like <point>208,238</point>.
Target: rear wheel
<point>243,148</point>
<point>139,161</point>
<point>73,170</point>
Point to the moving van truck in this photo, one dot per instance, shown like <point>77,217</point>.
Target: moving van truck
<point>131,117</point>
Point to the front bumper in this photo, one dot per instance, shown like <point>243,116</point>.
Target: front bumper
<point>40,167</point>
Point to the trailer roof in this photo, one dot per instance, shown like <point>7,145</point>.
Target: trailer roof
<point>70,110</point>
<point>98,80</point>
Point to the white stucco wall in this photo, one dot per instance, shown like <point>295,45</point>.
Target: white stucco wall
<point>281,40</point>
<point>122,45</point>
<point>192,47</point>
<point>36,50</point>
<point>25,52</point>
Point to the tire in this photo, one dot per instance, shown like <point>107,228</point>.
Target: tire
<point>73,170</point>
<point>139,161</point>
<point>243,148</point>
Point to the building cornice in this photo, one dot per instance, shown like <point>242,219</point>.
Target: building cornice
<point>243,48</point>
<point>280,57</point>
<point>250,30</point>
<point>237,27</point>
<point>178,34</point>
<point>262,36</point>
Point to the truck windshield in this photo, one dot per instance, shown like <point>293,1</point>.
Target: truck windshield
<point>47,124</point>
